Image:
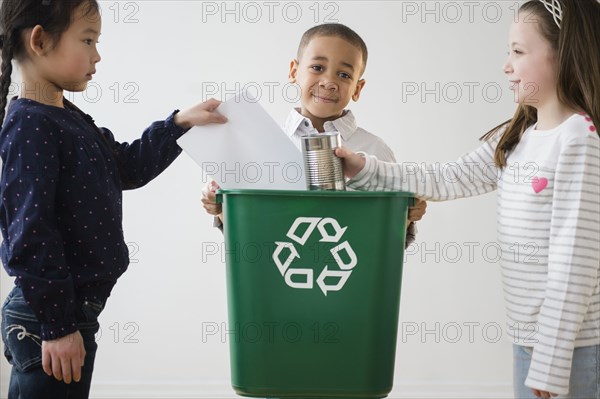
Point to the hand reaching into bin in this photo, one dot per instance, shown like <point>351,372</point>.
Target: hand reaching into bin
<point>354,163</point>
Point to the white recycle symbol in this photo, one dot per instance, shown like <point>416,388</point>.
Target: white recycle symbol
<point>320,224</point>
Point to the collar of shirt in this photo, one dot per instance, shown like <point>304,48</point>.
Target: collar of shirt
<point>299,125</point>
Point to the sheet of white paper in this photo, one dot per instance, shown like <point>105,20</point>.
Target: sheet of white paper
<point>250,151</point>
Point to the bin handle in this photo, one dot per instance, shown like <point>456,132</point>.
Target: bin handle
<point>219,198</point>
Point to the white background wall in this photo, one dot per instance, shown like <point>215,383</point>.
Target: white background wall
<point>172,54</point>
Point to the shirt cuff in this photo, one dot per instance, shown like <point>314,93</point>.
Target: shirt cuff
<point>358,181</point>
<point>50,332</point>
<point>411,234</point>
<point>217,223</point>
<point>172,127</point>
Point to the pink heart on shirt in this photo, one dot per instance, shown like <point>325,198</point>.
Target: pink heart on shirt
<point>539,184</point>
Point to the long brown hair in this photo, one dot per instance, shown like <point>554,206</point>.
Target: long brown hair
<point>577,43</point>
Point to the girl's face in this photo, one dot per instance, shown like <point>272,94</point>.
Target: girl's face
<point>532,65</point>
<point>72,62</point>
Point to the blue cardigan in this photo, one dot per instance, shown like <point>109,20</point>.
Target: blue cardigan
<point>61,209</point>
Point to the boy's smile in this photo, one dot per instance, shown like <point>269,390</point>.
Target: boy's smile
<point>328,73</point>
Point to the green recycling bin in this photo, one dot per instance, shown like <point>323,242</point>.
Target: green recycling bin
<point>313,290</point>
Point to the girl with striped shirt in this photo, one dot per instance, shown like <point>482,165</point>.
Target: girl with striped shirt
<point>545,164</point>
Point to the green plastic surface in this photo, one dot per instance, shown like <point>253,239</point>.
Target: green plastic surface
<point>299,342</point>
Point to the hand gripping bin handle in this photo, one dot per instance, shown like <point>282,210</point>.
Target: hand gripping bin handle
<point>313,291</point>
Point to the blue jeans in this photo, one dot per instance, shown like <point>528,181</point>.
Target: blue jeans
<point>22,348</point>
<point>585,373</point>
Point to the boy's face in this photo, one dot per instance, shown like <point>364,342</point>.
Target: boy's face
<point>328,74</point>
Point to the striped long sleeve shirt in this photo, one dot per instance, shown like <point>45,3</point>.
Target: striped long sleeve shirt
<point>548,227</point>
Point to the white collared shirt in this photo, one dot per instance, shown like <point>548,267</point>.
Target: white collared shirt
<point>353,137</point>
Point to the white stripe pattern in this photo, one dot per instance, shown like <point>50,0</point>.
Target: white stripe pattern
<point>548,229</point>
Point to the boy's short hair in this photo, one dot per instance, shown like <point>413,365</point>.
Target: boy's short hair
<point>335,30</point>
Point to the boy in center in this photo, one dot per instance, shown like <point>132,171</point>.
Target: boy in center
<point>330,62</point>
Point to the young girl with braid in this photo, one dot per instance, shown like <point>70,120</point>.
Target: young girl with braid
<point>61,189</point>
<point>545,164</point>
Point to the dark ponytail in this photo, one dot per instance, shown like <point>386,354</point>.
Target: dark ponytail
<point>6,71</point>
<point>18,15</point>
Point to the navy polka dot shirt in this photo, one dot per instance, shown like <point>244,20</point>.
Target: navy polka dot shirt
<point>60,214</point>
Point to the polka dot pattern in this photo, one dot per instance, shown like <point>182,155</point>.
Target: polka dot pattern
<point>61,210</point>
<point>592,128</point>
